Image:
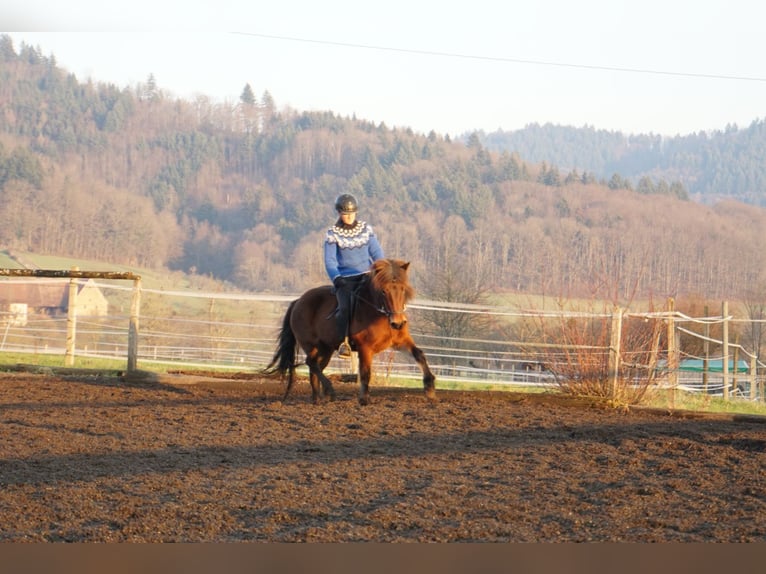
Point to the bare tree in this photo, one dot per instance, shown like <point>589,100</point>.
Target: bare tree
<point>457,274</point>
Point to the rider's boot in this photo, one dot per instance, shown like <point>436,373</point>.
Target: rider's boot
<point>344,350</point>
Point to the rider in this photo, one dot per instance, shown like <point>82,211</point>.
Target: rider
<point>350,247</point>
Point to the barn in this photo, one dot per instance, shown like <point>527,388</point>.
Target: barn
<point>52,298</point>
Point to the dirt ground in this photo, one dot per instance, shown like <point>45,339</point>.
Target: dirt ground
<point>86,458</point>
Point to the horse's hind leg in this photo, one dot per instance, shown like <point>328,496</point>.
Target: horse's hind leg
<point>320,384</point>
<point>314,380</point>
<point>327,389</point>
<point>290,381</point>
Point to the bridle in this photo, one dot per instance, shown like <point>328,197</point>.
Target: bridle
<point>382,308</point>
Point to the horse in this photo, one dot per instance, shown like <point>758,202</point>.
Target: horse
<point>377,322</point>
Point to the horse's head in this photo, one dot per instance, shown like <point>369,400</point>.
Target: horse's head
<point>389,280</point>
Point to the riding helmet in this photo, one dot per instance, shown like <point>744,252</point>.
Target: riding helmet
<point>346,202</point>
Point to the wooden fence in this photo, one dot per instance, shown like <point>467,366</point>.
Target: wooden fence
<point>244,338</point>
<point>74,274</point>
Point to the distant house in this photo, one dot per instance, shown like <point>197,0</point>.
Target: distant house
<point>14,314</point>
<point>52,298</point>
<point>91,301</point>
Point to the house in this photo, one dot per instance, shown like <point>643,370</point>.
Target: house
<point>14,314</point>
<point>91,301</point>
<point>52,298</point>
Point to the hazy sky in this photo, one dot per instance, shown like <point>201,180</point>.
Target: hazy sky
<point>663,66</point>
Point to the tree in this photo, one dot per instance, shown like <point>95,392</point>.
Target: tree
<point>645,185</point>
<point>510,167</point>
<point>7,52</point>
<point>249,118</point>
<point>151,92</point>
<point>549,175</point>
<point>457,274</point>
<point>572,177</point>
<point>21,165</point>
<point>268,107</point>
<point>678,190</point>
<point>616,182</point>
<point>588,178</point>
<point>247,97</point>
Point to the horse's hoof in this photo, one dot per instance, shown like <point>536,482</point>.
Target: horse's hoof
<point>364,401</point>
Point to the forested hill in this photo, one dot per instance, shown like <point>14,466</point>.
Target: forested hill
<point>243,191</point>
<point>710,165</point>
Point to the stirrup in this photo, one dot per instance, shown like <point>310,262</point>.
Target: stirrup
<point>344,351</point>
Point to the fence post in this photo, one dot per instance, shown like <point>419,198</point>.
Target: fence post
<point>753,378</point>
<point>735,370</point>
<point>614,351</point>
<point>706,354</point>
<point>654,354</point>
<point>725,350</point>
<point>672,350</point>
<point>71,322</point>
<point>135,305</point>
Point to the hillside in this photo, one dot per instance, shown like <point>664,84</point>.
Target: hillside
<point>243,192</point>
<point>711,166</point>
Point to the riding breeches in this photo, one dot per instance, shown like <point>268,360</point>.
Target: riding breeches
<point>343,295</point>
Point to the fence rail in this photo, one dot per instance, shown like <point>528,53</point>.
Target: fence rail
<point>194,329</point>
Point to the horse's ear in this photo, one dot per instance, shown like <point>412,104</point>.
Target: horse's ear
<point>405,265</point>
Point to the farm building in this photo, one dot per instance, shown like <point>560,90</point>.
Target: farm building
<point>52,298</point>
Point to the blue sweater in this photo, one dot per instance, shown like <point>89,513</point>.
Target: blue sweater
<point>350,251</point>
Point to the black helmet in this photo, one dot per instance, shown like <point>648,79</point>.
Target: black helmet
<point>346,202</point>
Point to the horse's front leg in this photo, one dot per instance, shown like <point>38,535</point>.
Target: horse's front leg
<point>365,372</point>
<point>403,341</point>
<point>429,380</point>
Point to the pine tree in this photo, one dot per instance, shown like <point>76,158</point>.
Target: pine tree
<point>247,97</point>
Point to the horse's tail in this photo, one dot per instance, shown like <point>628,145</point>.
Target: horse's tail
<point>283,360</point>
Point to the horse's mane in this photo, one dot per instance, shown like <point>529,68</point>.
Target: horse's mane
<point>388,271</point>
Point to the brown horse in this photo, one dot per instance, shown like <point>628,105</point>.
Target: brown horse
<point>378,323</point>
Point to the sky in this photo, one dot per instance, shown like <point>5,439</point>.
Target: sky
<point>667,67</point>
